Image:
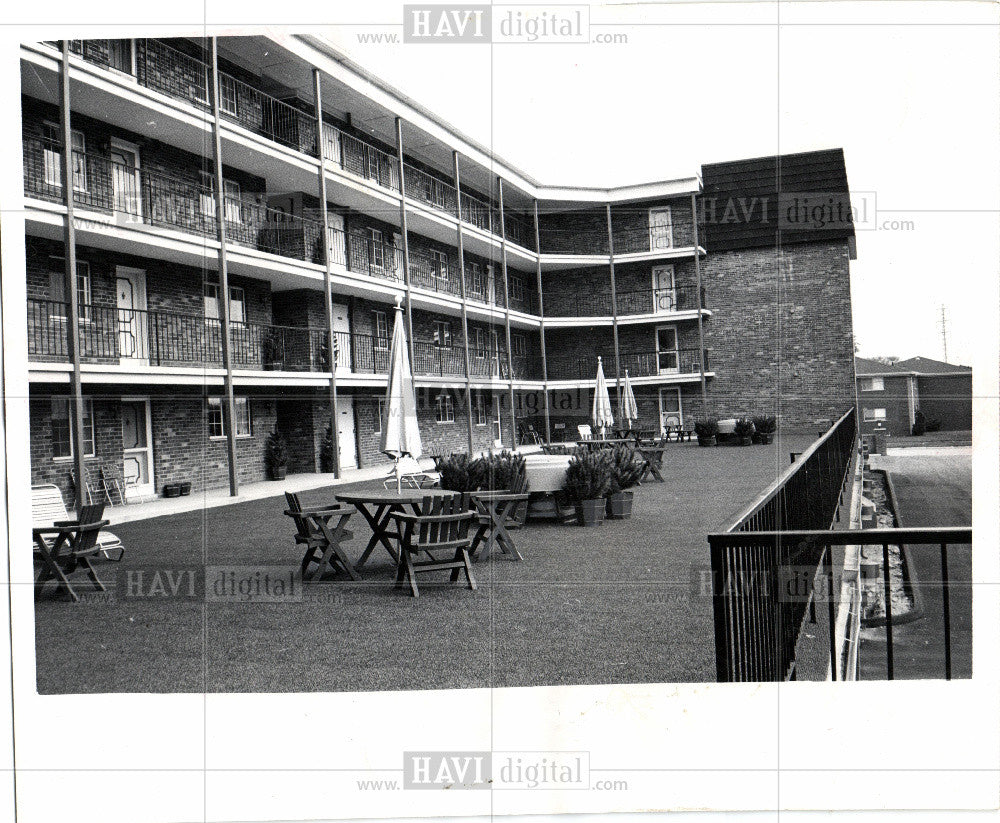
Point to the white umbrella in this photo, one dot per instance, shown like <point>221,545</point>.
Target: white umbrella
<point>629,409</point>
<point>601,413</point>
<point>400,432</point>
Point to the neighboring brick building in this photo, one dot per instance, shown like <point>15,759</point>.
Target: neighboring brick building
<point>891,393</point>
<point>710,303</point>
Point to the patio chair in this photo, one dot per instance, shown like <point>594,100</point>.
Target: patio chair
<point>68,555</point>
<point>411,475</point>
<point>585,432</point>
<point>97,486</point>
<point>442,526</point>
<point>47,508</point>
<point>320,538</point>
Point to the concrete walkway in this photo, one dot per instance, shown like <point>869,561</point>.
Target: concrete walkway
<point>933,488</point>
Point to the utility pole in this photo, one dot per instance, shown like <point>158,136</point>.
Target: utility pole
<point>944,332</point>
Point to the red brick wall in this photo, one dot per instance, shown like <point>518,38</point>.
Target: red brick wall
<point>948,399</point>
<point>893,398</point>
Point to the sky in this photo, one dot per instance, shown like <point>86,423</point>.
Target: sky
<point>910,94</point>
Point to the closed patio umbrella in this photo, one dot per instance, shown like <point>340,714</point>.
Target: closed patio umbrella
<point>629,409</point>
<point>601,413</point>
<point>400,432</point>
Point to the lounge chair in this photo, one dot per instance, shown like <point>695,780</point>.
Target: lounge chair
<point>411,475</point>
<point>47,507</point>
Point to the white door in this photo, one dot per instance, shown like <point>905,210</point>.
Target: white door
<point>661,234</point>
<point>336,238</point>
<point>342,328</point>
<point>331,145</point>
<point>137,448</point>
<point>133,343</point>
<point>347,440</point>
<point>125,180</point>
<point>671,416</point>
<point>667,357</point>
<point>664,293</point>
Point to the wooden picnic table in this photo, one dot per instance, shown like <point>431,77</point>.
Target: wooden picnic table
<point>377,506</point>
<point>604,442</point>
<point>496,510</point>
<point>653,455</point>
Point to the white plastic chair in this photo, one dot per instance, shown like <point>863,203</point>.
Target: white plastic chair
<point>47,507</point>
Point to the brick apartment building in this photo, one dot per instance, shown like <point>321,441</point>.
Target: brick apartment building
<point>891,393</point>
<point>711,299</point>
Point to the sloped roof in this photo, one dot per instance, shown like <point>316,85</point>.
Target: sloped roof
<point>918,366</point>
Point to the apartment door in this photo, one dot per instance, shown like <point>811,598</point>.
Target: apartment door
<point>342,328</point>
<point>336,238</point>
<point>667,357</point>
<point>125,180</point>
<point>133,343</point>
<point>671,415</point>
<point>660,229</point>
<point>137,447</point>
<point>664,292</point>
<point>346,434</point>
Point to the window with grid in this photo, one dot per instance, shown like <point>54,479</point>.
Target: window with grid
<point>379,410</point>
<point>376,249</point>
<point>873,384</point>
<point>517,289</point>
<point>445,409</point>
<point>217,419</point>
<point>227,95</point>
<point>518,345</point>
<point>480,410</point>
<point>439,265</point>
<point>52,157</point>
<point>477,280</point>
<point>381,331</point>
<point>874,414</point>
<point>62,429</point>
<point>57,287</point>
<point>237,303</point>
<point>442,334</point>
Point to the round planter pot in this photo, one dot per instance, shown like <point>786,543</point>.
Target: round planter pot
<point>707,441</point>
<point>619,505</point>
<point>742,441</point>
<point>278,472</point>
<point>591,512</point>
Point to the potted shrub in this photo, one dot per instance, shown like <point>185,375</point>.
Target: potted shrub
<point>706,429</point>
<point>276,456</point>
<point>326,453</point>
<point>626,470</point>
<point>919,424</point>
<point>272,351</point>
<point>764,429</point>
<point>588,478</point>
<point>743,433</point>
<point>458,473</point>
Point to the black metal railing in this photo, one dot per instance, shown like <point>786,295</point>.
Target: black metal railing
<point>666,363</point>
<point>642,301</point>
<point>756,630</point>
<point>626,241</point>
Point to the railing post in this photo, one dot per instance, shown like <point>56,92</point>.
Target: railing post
<point>220,223</point>
<point>460,237</point>
<point>331,334</point>
<point>541,327</point>
<point>69,281</point>
<point>405,232</point>
<point>506,313</point>
<point>946,608</point>
<point>614,304</point>
<point>887,590</point>
<point>698,290</point>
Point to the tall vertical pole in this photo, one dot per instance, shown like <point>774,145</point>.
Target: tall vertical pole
<point>229,401</point>
<point>406,235</point>
<point>506,306</point>
<point>541,328</point>
<point>614,303</point>
<point>465,304</point>
<point>69,280</point>
<point>331,334</point>
<point>697,279</point>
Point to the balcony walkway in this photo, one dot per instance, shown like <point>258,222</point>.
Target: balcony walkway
<point>618,604</point>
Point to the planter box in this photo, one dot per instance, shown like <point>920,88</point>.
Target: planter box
<point>619,506</point>
<point>707,441</point>
<point>277,473</point>
<point>172,490</point>
<point>591,512</point>
<point>763,438</point>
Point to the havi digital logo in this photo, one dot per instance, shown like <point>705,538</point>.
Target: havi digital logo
<point>447,24</point>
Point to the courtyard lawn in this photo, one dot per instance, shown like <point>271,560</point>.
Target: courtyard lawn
<point>620,603</point>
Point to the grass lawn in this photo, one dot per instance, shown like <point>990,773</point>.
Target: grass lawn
<point>615,604</point>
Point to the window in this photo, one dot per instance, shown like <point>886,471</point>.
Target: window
<point>439,265</point>
<point>445,411</point>
<point>518,345</point>
<point>379,410</point>
<point>57,287</point>
<point>381,331</point>
<point>434,192</point>
<point>376,250</point>
<point>237,303</point>
<point>217,420</point>
<point>480,410</point>
<point>874,414</point>
<point>52,157</point>
<point>62,428</point>
<point>517,293</point>
<point>480,343</point>
<point>477,280</point>
<point>442,334</point>
<point>231,190</point>
<point>120,56</point>
<point>873,384</point>
<point>234,203</point>
<point>227,95</point>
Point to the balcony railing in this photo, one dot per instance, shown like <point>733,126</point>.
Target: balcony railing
<point>644,301</point>
<point>666,364</point>
<point>628,241</point>
<point>118,336</point>
<point>429,189</point>
<point>361,159</point>
<point>434,274</point>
